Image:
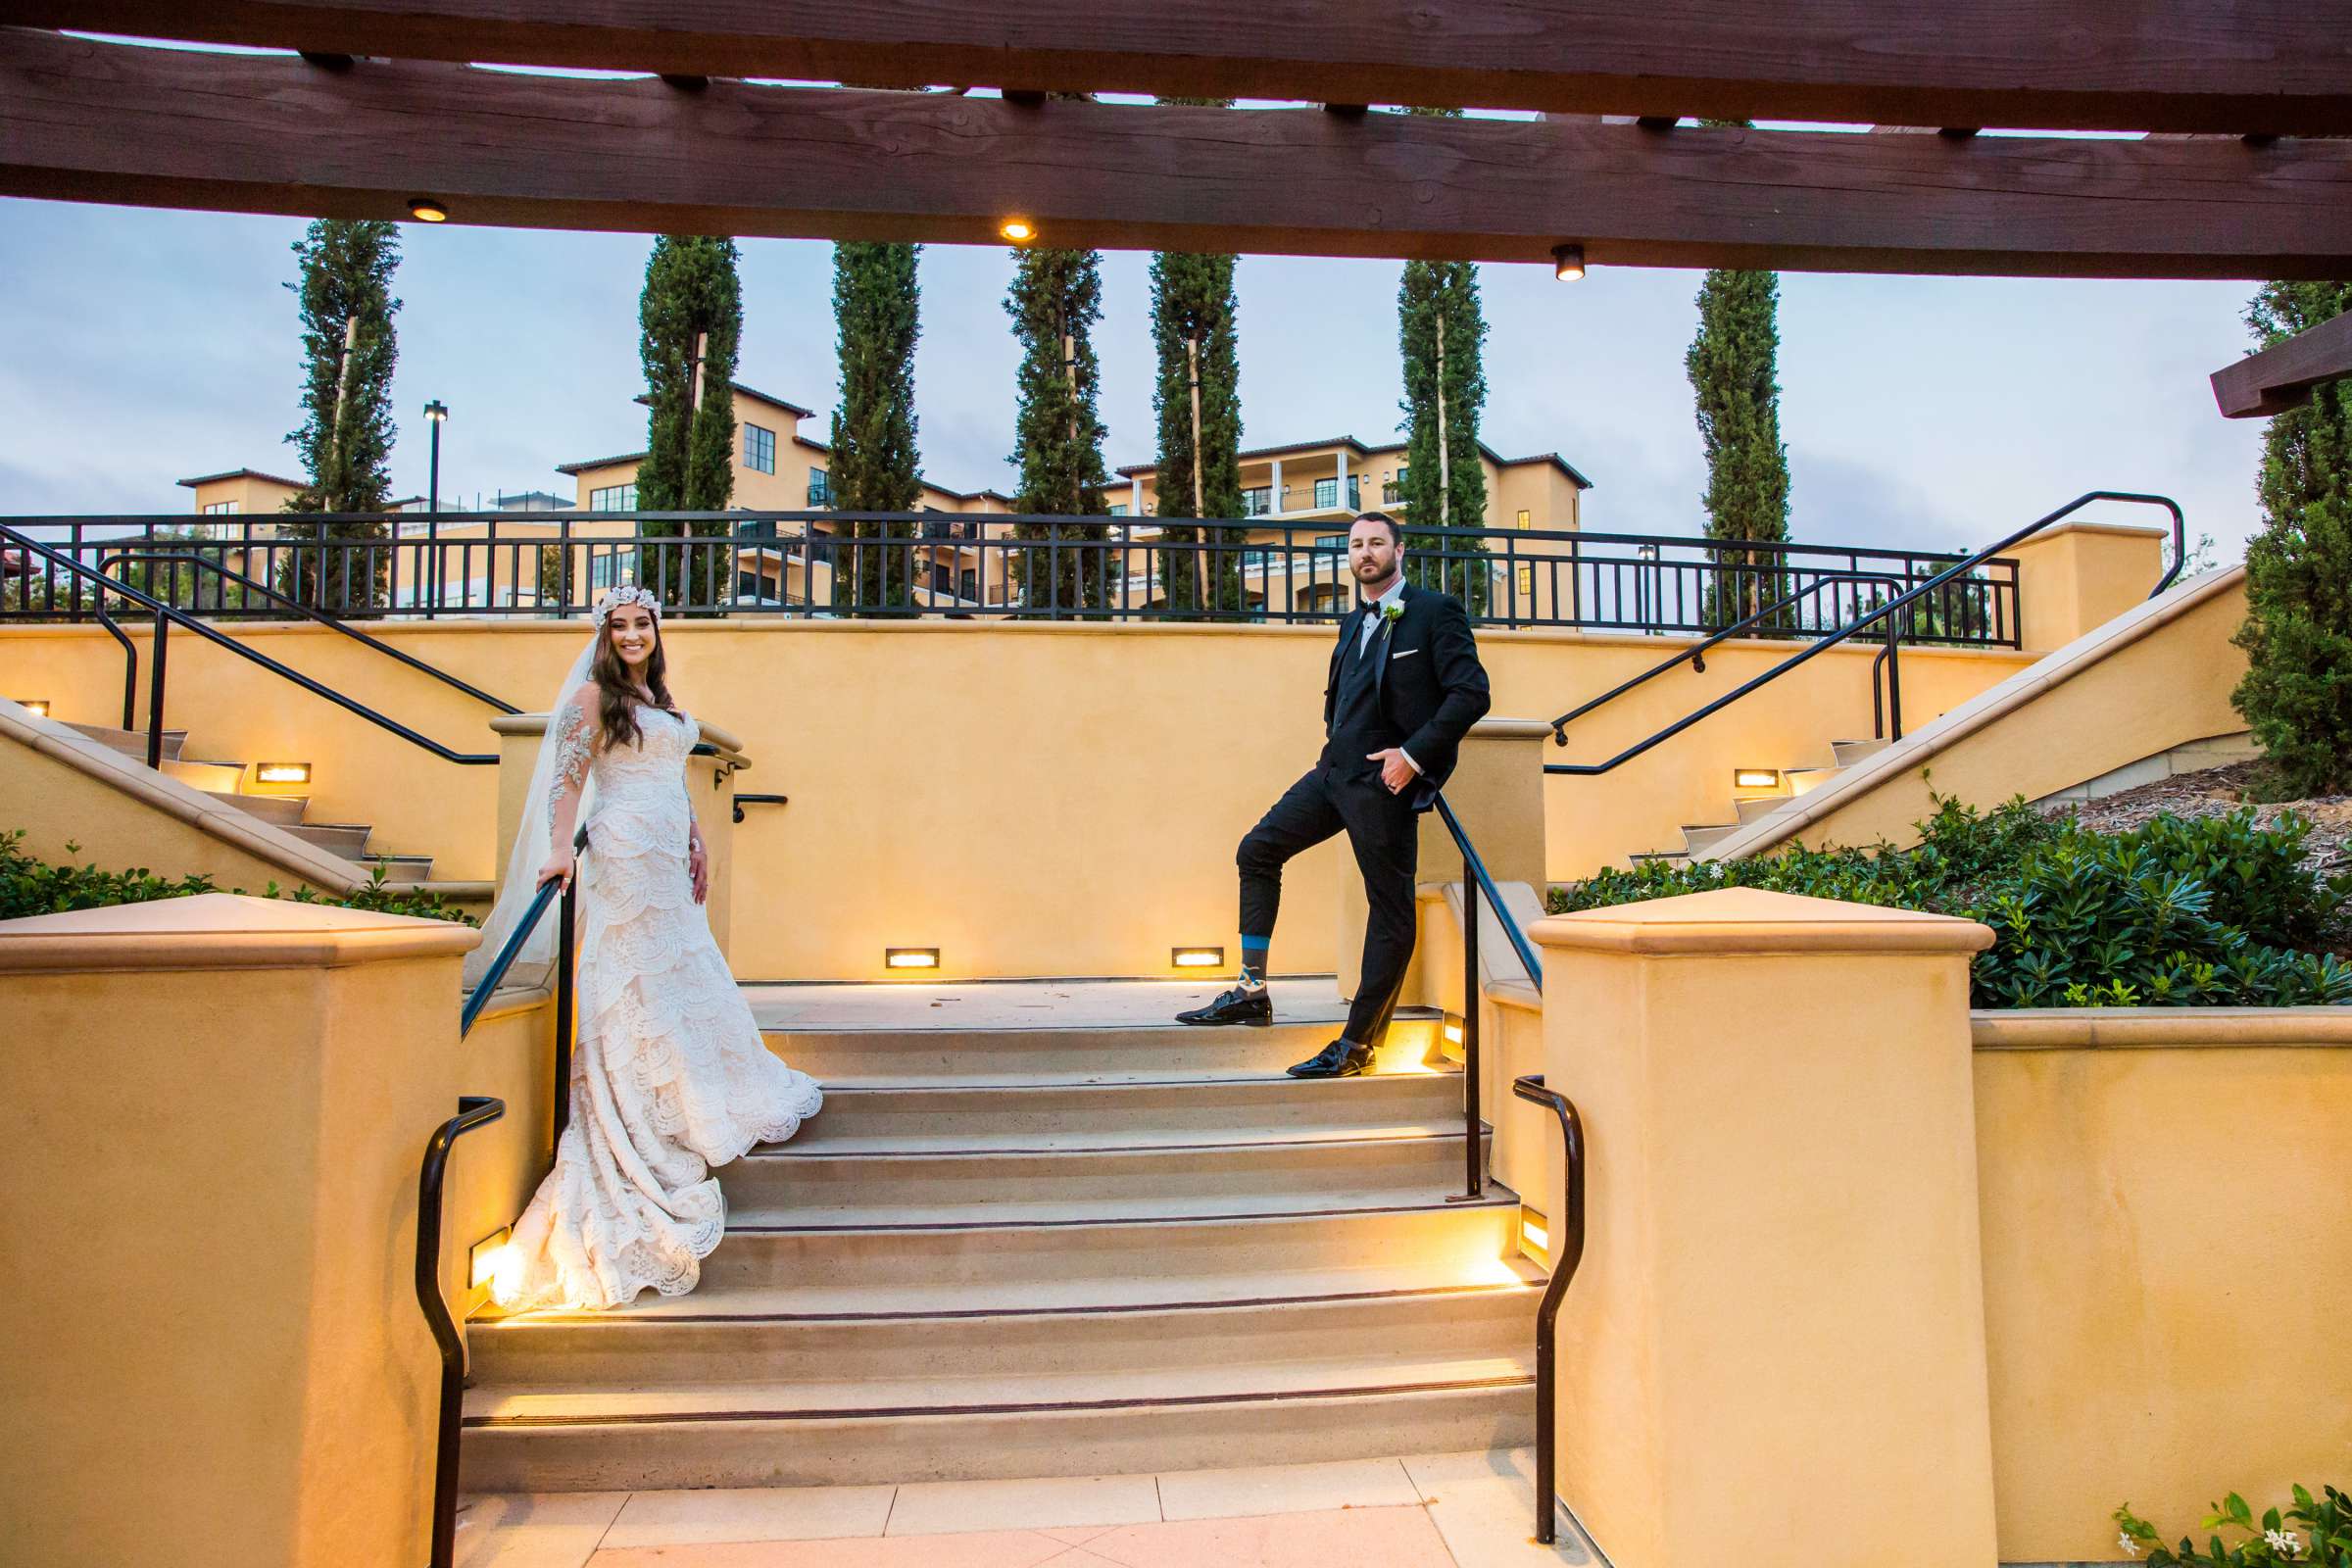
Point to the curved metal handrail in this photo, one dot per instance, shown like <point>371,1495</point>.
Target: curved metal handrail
<point>165,612</point>
<point>473,1110</point>
<point>106,564</point>
<point>1567,1250</point>
<point>1900,603</point>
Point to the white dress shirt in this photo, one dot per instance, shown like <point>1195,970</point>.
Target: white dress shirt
<point>1371,624</point>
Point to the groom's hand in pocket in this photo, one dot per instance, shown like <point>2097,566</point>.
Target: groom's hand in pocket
<point>1396,769</point>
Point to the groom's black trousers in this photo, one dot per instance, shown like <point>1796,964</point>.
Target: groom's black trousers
<point>1381,828</point>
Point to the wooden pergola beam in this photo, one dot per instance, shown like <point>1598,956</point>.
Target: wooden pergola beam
<point>2282,375</point>
<point>2282,67</point>
<point>107,123</point>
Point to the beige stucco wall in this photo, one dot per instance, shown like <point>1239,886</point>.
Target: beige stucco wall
<point>211,1124</point>
<point>1002,792</point>
<point>2166,1241</point>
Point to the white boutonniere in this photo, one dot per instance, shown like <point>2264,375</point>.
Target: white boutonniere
<point>1392,612</point>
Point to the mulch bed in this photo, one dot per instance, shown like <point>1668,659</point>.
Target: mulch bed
<point>2218,792</point>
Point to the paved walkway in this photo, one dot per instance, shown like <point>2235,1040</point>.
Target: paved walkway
<point>1454,1510</point>
<point>1022,1003</point>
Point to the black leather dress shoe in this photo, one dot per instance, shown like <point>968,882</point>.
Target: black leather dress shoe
<point>1238,1005</point>
<point>1339,1060</point>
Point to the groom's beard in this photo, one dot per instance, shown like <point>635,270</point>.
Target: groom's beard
<point>1369,589</point>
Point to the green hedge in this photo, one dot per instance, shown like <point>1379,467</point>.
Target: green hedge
<point>29,886</point>
<point>2205,911</point>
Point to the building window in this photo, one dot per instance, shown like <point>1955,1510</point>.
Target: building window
<point>1355,491</point>
<point>1326,492</point>
<point>820,488</point>
<point>1392,491</point>
<point>613,498</point>
<point>610,567</point>
<point>1527,586</point>
<point>1523,522</point>
<point>221,509</point>
<point>759,449</point>
<point>1331,541</point>
<point>1119,509</point>
<point>1257,502</point>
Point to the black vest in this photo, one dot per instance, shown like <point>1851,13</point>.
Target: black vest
<point>1357,727</point>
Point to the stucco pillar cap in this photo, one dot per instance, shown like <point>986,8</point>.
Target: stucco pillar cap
<point>1511,729</point>
<point>1742,920</point>
<point>221,931</point>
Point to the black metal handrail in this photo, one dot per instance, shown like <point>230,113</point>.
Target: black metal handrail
<point>1475,884</point>
<point>1286,568</point>
<point>742,801</point>
<point>473,1110</point>
<point>176,559</point>
<point>166,616</point>
<point>1566,1250</point>
<point>1899,605</point>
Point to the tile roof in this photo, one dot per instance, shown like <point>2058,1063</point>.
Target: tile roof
<point>245,473</point>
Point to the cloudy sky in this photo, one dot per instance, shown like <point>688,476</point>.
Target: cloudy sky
<point>147,346</point>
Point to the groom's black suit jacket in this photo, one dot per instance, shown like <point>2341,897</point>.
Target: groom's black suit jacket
<point>1428,681</point>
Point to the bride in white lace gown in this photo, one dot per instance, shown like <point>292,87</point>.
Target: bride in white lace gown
<point>669,1076</point>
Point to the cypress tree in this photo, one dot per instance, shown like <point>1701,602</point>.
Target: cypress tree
<point>1197,398</point>
<point>349,351</point>
<point>2297,691</point>
<point>1733,366</point>
<point>1441,334</point>
<point>1055,301</point>
<point>876,302</point>
<point>692,301</point>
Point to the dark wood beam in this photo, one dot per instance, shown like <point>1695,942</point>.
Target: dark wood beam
<point>88,121</point>
<point>2276,65</point>
<point>2283,375</point>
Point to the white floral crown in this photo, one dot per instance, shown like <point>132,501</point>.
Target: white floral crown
<point>628,593</point>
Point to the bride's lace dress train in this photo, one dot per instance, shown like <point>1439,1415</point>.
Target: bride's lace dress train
<point>669,1076</point>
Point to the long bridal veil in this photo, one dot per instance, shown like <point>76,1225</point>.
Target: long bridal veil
<point>533,844</point>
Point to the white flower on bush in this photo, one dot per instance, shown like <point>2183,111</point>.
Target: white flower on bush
<point>2286,1543</point>
<point>2130,1546</point>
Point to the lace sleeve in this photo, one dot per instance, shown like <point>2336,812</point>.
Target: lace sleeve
<point>573,745</point>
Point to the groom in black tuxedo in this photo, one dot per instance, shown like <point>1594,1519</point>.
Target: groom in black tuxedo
<point>1405,686</point>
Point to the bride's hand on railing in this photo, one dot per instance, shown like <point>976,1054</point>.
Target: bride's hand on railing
<point>557,869</point>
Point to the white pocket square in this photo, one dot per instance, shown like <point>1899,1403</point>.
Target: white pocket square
<point>1405,653</point>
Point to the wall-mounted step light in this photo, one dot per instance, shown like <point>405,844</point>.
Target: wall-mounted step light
<point>1196,957</point>
<point>909,958</point>
<point>1535,1234</point>
<point>486,1255</point>
<point>281,772</point>
<point>1755,778</point>
<point>37,706</point>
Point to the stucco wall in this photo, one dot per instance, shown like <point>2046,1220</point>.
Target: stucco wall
<point>2166,1241</point>
<point>1032,798</point>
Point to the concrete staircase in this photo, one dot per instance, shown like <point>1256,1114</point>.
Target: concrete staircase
<point>225,781</point>
<point>1050,1251</point>
<point>1699,839</point>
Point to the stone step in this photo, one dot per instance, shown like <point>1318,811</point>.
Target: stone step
<point>1661,857</point>
<point>346,838</point>
<point>131,743</point>
<point>1075,1055</point>
<point>1192,1241</point>
<point>278,811</point>
<point>403,870</point>
<point>1760,806</point>
<point>1848,753</point>
<point>1700,840</point>
<point>731,1339</point>
<point>911,1119</point>
<point>1366,1405</point>
<point>1804,780</point>
<point>1276,1175</point>
<point>213,778</point>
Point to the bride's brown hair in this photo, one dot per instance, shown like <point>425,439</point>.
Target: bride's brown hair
<point>616,695</point>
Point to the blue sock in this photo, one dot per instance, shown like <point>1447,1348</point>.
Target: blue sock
<point>1253,960</point>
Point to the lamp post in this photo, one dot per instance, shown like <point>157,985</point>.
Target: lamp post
<point>436,413</point>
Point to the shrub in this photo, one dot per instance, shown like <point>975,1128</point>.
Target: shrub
<point>2313,1530</point>
<point>29,886</point>
<point>2205,911</point>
